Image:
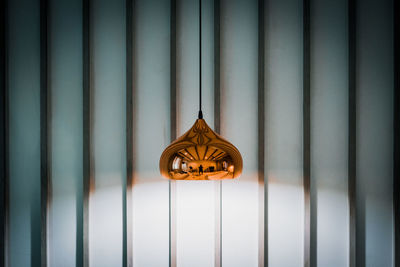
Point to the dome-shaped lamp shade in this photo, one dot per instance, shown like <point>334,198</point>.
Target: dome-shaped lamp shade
<point>201,154</point>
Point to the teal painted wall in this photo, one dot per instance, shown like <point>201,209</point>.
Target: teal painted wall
<point>200,223</point>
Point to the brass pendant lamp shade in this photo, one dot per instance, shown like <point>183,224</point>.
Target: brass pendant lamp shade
<point>200,154</point>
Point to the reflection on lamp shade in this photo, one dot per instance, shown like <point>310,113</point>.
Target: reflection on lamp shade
<point>201,154</point>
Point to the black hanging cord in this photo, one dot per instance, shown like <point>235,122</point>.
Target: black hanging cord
<point>200,112</point>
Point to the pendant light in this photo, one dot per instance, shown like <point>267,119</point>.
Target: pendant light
<point>200,153</point>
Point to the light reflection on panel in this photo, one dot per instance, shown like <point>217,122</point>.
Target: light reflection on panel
<point>375,131</point>
<point>283,105</point>
<point>329,129</point>
<point>66,128</point>
<point>195,201</point>
<point>284,215</point>
<point>239,42</point>
<point>24,132</point>
<point>108,67</point>
<point>195,223</point>
<point>152,133</point>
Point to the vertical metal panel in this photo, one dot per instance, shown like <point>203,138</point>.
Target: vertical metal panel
<point>82,258</point>
<point>208,62</point>
<point>352,175</point>
<point>218,224</point>
<point>65,130</point>
<point>44,132</point>
<point>309,196</point>
<point>396,128</point>
<point>329,133</point>
<point>374,131</point>
<point>109,134</point>
<point>173,128</point>
<point>130,95</point>
<point>262,181</point>
<point>24,130</point>
<point>173,74</point>
<point>195,203</point>
<point>217,128</point>
<point>239,41</point>
<point>4,179</point>
<point>217,65</point>
<point>152,133</point>
<point>172,224</point>
<point>283,102</point>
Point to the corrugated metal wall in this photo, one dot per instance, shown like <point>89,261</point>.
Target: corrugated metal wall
<point>94,90</point>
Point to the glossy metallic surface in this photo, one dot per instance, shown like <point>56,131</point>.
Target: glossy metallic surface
<point>201,154</point>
